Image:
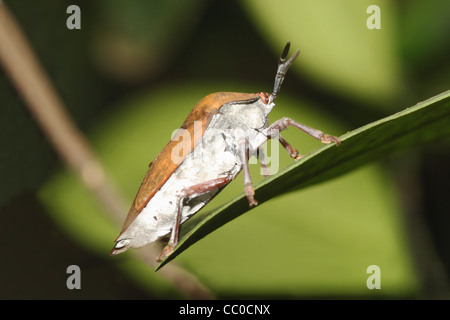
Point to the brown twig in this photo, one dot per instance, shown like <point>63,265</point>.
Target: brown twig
<point>40,96</point>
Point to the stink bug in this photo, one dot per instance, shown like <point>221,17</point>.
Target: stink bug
<point>232,126</point>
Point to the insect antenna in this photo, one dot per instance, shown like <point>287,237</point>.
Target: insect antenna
<point>283,66</point>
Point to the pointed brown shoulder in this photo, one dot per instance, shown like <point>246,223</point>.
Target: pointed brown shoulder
<point>162,167</point>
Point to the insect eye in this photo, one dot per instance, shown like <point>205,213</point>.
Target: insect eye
<point>264,97</point>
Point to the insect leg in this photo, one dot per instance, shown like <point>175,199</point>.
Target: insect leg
<point>293,153</point>
<point>262,160</point>
<point>185,195</point>
<point>283,123</point>
<point>249,191</point>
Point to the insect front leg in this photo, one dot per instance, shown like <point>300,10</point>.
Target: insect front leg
<point>185,195</point>
<point>283,123</point>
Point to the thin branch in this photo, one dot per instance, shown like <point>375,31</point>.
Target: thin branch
<point>40,96</point>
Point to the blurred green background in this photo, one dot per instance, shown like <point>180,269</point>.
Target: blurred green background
<point>131,75</point>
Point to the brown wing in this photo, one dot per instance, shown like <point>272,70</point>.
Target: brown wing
<point>162,167</point>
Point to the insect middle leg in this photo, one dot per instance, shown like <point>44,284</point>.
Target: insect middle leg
<point>293,153</point>
<point>185,195</point>
<point>262,160</point>
<point>248,188</point>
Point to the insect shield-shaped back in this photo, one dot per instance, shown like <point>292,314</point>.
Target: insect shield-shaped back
<point>165,164</point>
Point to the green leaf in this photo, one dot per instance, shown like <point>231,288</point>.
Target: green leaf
<point>424,122</point>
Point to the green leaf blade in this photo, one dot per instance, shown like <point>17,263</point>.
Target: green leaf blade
<point>424,122</point>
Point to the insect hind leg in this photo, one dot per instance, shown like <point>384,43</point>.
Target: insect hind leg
<point>185,195</point>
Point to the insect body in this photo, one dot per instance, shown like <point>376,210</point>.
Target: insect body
<point>219,134</point>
